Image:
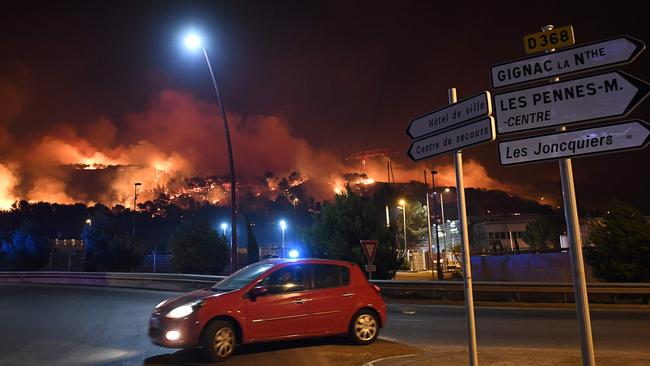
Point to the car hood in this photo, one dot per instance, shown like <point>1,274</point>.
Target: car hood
<point>183,299</point>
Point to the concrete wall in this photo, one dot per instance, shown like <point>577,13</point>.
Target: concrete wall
<point>538,267</point>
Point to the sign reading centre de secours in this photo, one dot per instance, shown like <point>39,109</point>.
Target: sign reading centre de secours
<point>471,134</point>
<point>612,94</point>
<point>603,139</point>
<point>611,52</point>
<point>467,109</point>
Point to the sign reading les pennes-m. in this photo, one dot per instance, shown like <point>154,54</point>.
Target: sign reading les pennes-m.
<point>607,95</point>
<point>471,134</point>
<point>479,105</point>
<point>598,140</point>
<point>610,52</point>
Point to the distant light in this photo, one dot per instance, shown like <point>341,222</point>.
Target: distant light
<point>224,226</point>
<point>192,41</point>
<point>89,221</point>
<point>294,253</point>
<point>283,224</point>
<point>173,335</point>
<point>402,203</point>
<point>446,189</point>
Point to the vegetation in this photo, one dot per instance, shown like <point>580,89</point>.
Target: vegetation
<point>620,245</point>
<point>198,248</point>
<point>543,233</point>
<point>336,233</point>
<point>108,246</point>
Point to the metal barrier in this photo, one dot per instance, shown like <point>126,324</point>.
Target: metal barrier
<point>437,290</point>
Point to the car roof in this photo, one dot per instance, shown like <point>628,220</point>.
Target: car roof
<point>308,261</point>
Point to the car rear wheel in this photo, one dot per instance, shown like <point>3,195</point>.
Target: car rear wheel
<point>364,328</point>
<point>219,340</point>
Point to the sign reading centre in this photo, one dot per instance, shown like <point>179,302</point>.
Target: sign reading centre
<point>471,134</point>
<point>467,109</point>
<point>603,139</point>
<point>611,52</point>
<point>612,94</point>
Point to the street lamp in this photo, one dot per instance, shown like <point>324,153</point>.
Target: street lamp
<point>402,206</point>
<point>193,42</point>
<point>438,264</point>
<point>283,226</point>
<point>224,226</point>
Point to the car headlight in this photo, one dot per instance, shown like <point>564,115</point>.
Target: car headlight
<point>185,310</point>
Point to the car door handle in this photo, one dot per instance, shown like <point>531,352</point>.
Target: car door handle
<point>349,294</point>
<point>300,301</point>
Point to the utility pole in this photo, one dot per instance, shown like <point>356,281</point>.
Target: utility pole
<point>435,220</point>
<point>135,207</point>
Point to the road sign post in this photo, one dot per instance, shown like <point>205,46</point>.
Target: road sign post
<point>369,249</point>
<point>467,263</point>
<point>575,248</point>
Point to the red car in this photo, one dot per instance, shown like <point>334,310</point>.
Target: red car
<point>272,300</point>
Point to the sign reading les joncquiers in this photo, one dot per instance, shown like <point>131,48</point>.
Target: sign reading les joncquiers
<point>598,140</point>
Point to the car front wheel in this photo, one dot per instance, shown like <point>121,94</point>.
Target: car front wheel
<point>364,328</point>
<point>219,340</point>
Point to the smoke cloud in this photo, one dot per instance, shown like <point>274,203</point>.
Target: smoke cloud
<point>174,137</point>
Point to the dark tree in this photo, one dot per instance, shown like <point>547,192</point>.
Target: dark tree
<point>252,248</point>
<point>109,246</point>
<point>620,245</point>
<point>198,248</point>
<point>543,233</point>
<point>26,250</point>
<point>336,233</point>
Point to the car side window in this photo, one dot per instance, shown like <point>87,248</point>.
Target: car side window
<point>327,275</point>
<point>287,279</point>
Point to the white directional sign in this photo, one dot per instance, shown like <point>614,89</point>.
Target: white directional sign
<point>477,106</point>
<point>598,140</point>
<point>610,52</point>
<point>471,134</point>
<point>613,94</point>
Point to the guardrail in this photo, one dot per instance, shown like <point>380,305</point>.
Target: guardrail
<point>437,290</point>
<point>152,281</point>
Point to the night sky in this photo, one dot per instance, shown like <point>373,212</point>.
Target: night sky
<point>341,76</point>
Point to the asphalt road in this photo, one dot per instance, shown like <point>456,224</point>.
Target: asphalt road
<point>65,325</point>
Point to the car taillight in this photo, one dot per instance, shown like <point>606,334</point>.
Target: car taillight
<point>377,288</point>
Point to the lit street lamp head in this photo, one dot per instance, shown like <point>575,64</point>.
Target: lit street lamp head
<point>402,203</point>
<point>192,42</point>
<point>224,226</point>
<point>283,224</point>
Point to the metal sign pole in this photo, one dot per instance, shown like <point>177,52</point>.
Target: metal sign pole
<point>575,248</point>
<point>467,265</point>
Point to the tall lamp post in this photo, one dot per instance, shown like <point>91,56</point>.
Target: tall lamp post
<point>283,226</point>
<point>135,206</point>
<point>402,207</point>
<point>438,264</point>
<point>193,42</point>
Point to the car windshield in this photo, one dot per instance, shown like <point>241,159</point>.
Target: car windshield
<point>242,277</point>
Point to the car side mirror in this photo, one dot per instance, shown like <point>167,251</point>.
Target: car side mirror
<point>257,291</point>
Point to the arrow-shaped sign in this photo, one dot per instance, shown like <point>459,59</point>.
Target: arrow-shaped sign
<point>471,134</point>
<point>613,94</point>
<point>599,140</point>
<point>607,53</point>
<point>454,114</point>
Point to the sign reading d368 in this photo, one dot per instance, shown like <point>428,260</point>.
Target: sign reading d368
<point>555,38</point>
